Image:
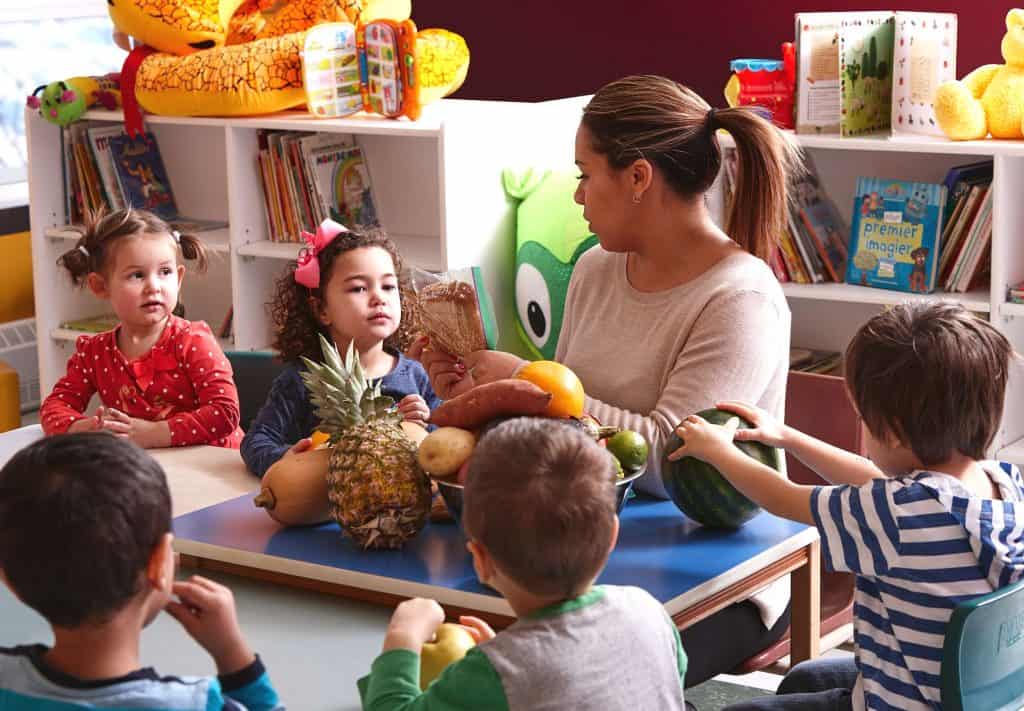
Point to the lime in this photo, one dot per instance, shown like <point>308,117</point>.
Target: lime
<point>630,448</point>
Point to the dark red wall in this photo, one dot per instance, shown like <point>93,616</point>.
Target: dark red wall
<point>544,49</point>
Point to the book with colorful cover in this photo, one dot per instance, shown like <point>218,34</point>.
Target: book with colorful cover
<point>140,170</point>
<point>924,56</point>
<point>817,79</point>
<point>896,233</point>
<point>865,72</point>
<point>99,140</point>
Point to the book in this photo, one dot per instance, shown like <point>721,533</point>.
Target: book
<point>844,71</point>
<point>924,56</point>
<point>896,234</point>
<point>141,173</point>
<point>865,72</point>
<point>99,141</point>
<point>343,183</point>
<point>92,324</point>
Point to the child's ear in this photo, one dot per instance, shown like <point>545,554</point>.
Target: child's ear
<point>615,535</point>
<point>181,274</point>
<point>319,309</point>
<point>483,564</point>
<point>160,569</point>
<point>97,284</point>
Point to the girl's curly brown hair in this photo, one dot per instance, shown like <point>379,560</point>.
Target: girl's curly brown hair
<point>101,231</point>
<point>295,306</point>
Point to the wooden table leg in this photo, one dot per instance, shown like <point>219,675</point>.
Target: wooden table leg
<point>806,607</point>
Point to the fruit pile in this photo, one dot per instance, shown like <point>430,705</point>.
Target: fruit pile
<point>539,389</point>
<point>370,472</point>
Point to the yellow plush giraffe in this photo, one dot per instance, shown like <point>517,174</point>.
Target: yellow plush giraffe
<point>243,57</point>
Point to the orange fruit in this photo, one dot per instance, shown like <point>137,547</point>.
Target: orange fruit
<point>565,388</point>
<point>319,438</point>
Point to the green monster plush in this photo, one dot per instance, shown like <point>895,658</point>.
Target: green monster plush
<point>551,234</point>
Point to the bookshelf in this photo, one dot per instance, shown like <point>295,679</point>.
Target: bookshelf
<point>438,188</point>
<point>437,185</point>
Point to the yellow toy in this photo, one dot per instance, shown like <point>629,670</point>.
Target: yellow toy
<point>234,57</point>
<point>991,98</point>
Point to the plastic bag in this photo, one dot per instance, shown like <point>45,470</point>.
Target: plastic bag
<point>453,310</point>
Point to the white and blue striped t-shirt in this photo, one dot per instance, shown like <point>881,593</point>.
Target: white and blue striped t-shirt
<point>919,544</point>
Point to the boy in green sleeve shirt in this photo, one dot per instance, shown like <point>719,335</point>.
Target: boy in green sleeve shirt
<point>539,512</point>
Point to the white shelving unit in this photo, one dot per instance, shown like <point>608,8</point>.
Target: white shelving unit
<point>827,315</point>
<point>437,184</point>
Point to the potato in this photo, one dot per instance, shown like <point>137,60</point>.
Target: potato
<point>444,450</point>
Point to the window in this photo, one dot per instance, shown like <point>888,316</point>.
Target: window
<point>41,42</point>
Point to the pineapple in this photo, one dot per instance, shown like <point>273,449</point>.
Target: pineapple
<point>379,494</point>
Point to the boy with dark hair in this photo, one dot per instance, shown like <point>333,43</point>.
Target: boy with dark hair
<point>925,524</point>
<point>539,512</point>
<point>85,541</point>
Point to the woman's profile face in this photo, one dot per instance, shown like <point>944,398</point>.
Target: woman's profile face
<point>604,194</point>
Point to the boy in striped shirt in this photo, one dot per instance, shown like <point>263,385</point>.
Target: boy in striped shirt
<point>925,523</point>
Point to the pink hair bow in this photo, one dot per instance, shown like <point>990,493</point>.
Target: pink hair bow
<point>307,272</point>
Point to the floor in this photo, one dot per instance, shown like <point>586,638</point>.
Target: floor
<point>307,637</point>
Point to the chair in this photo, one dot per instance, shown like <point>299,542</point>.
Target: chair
<point>983,655</point>
<point>817,404</point>
<point>254,373</point>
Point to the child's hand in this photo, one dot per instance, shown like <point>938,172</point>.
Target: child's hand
<point>144,433</point>
<point>414,409</point>
<point>207,612</point>
<point>703,440</point>
<point>765,428</point>
<point>413,623</point>
<point>86,424</point>
<point>480,630</point>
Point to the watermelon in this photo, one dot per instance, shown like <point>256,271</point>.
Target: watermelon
<point>701,492</point>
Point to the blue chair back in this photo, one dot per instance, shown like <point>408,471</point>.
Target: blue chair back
<point>254,372</point>
<point>983,654</point>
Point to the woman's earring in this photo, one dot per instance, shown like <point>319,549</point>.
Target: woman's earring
<point>636,198</point>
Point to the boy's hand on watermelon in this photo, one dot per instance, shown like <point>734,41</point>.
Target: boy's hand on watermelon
<point>765,428</point>
<point>703,440</point>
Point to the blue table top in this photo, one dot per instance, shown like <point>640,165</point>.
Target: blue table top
<point>659,549</point>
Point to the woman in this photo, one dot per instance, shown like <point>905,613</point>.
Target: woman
<point>671,313</point>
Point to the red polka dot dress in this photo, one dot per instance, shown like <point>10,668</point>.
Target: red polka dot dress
<point>184,379</point>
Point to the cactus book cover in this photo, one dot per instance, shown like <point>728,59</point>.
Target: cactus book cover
<point>895,234</point>
<point>865,73</point>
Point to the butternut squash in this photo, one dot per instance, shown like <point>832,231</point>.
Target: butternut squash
<point>294,489</point>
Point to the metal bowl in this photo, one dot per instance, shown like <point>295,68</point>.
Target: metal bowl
<point>452,493</point>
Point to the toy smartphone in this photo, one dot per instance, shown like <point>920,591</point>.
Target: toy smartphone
<point>369,67</point>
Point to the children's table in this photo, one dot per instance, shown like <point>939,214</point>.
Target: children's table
<point>693,571</point>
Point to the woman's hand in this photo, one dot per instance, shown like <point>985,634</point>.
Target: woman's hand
<point>451,376</point>
<point>703,440</point>
<point>765,428</point>
<point>414,409</point>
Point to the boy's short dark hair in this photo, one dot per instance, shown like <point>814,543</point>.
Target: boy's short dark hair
<point>80,515</point>
<point>540,496</point>
<point>932,375</point>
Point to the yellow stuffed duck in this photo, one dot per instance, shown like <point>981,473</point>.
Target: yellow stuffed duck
<point>991,98</point>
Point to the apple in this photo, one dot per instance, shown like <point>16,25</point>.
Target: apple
<point>451,642</point>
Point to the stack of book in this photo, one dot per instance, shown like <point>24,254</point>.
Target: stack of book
<point>1015,293</point>
<point>967,232</point>
<point>104,169</point>
<point>309,177</point>
<point>812,248</point>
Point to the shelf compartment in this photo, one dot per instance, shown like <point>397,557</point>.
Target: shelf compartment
<point>900,144</point>
<point>977,301</point>
<point>1011,308</point>
<point>69,334</point>
<point>215,240</point>
<point>1013,452</point>
<point>416,250</point>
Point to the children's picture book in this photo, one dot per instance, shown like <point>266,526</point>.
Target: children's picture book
<point>99,139</point>
<point>844,72</point>
<point>865,72</point>
<point>141,172</point>
<point>924,56</point>
<point>896,234</point>
<point>343,184</point>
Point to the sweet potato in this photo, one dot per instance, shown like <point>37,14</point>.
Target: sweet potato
<point>501,398</point>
